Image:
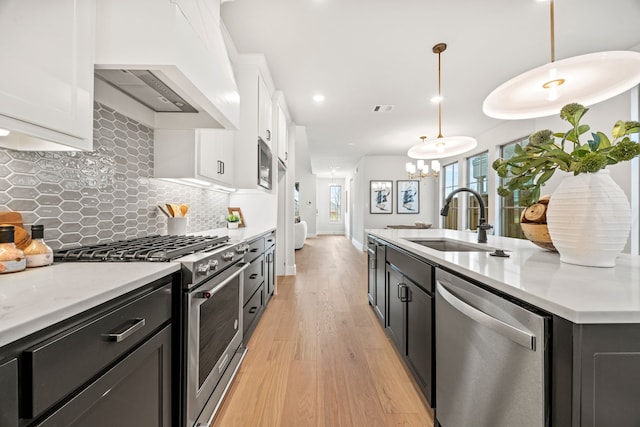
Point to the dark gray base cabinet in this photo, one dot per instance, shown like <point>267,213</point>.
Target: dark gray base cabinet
<point>410,315</point>
<point>259,281</point>
<point>109,366</point>
<point>9,393</point>
<point>270,271</point>
<point>595,375</point>
<point>136,392</point>
<point>380,306</point>
<point>410,320</point>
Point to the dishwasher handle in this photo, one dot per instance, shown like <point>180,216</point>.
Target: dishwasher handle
<point>524,338</point>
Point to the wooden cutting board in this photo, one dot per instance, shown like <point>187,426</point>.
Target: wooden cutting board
<point>11,218</point>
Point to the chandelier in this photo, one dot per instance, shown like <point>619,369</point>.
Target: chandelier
<point>420,170</point>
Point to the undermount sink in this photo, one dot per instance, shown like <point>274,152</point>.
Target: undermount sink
<point>444,245</point>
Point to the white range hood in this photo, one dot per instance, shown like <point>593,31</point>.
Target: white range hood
<point>144,47</point>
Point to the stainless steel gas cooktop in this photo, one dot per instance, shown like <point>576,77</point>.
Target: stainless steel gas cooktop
<point>150,248</point>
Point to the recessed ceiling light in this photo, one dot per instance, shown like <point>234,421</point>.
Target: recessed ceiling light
<point>318,98</point>
<point>436,99</point>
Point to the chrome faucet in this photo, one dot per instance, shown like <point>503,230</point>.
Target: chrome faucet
<point>482,221</point>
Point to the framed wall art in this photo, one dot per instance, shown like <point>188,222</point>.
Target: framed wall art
<point>381,197</point>
<point>408,197</point>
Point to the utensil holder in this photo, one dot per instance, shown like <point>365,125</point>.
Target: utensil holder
<point>177,226</point>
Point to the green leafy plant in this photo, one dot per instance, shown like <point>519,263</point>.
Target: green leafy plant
<point>233,218</point>
<point>536,162</point>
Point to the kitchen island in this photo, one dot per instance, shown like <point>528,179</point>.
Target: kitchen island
<point>580,369</point>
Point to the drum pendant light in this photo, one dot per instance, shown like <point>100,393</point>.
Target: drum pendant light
<point>585,79</point>
<point>440,147</point>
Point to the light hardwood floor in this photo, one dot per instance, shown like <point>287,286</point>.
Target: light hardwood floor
<point>319,356</point>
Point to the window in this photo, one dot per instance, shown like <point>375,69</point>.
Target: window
<point>335,203</point>
<point>478,167</point>
<point>450,183</point>
<point>510,209</point>
<point>296,201</point>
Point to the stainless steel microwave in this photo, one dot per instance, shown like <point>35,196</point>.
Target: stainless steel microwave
<point>265,165</point>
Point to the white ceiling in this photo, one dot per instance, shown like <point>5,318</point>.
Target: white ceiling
<point>362,53</point>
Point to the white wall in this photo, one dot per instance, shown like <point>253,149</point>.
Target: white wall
<point>348,214</point>
<point>307,181</point>
<point>286,243</point>
<point>324,226</point>
<point>259,209</point>
<point>388,168</point>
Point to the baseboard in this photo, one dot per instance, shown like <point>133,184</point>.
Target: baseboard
<point>359,246</point>
<point>290,270</point>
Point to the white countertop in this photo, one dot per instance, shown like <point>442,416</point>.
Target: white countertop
<point>236,234</point>
<point>36,298</point>
<point>579,294</point>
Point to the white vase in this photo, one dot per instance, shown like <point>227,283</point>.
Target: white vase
<point>589,219</point>
<point>232,224</point>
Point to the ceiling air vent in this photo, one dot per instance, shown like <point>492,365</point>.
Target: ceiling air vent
<point>382,108</point>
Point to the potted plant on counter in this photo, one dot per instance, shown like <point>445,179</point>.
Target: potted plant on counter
<point>588,216</point>
<point>233,221</point>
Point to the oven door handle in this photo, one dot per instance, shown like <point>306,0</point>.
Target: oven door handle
<point>242,266</point>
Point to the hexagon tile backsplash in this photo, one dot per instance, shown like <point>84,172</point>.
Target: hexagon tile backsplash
<point>100,196</point>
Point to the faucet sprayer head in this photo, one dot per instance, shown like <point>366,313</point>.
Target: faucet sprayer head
<point>445,209</point>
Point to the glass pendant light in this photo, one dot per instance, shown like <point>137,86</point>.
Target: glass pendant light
<point>585,79</point>
<point>441,146</point>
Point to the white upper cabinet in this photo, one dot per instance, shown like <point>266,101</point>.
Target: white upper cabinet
<point>199,157</point>
<point>265,113</point>
<point>256,119</point>
<point>282,129</point>
<point>216,155</point>
<point>46,76</point>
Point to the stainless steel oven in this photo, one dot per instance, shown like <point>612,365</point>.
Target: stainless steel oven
<point>208,328</point>
<point>214,349</point>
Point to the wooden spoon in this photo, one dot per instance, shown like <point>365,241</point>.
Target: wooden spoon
<point>184,209</point>
<point>170,210</point>
<point>163,210</point>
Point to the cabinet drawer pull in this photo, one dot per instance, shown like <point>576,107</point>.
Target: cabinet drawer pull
<point>121,336</point>
<point>404,293</point>
<point>253,276</point>
<point>268,135</point>
<point>253,310</point>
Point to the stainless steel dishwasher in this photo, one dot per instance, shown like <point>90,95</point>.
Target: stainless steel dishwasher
<point>491,359</point>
